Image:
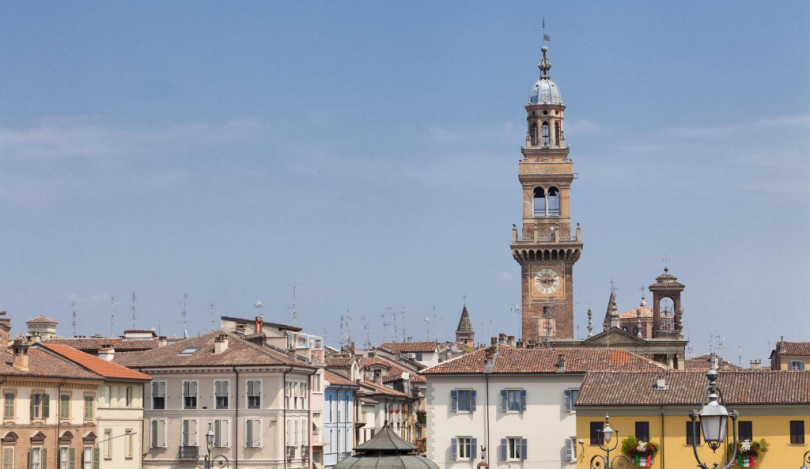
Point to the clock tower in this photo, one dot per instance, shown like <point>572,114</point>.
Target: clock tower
<point>546,246</point>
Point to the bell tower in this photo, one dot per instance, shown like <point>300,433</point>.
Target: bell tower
<point>545,245</point>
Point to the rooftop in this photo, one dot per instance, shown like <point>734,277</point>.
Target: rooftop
<point>95,364</point>
<point>409,347</point>
<point>43,363</point>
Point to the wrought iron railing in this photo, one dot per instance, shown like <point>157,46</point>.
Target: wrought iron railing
<point>188,452</point>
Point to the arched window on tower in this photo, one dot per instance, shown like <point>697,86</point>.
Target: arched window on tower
<point>539,202</point>
<point>545,134</point>
<point>553,202</point>
<point>533,132</point>
<point>557,133</point>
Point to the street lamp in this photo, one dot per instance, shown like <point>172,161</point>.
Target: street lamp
<point>805,460</point>
<point>604,462</point>
<point>713,421</point>
<point>208,462</point>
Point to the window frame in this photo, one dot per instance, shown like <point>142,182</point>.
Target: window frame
<point>470,401</point>
<point>465,448</point>
<point>63,461</point>
<point>219,433</point>
<point>596,436</point>
<point>155,433</point>
<point>129,443</point>
<point>570,400</point>
<point>13,394</point>
<point>36,450</point>
<point>227,395</point>
<point>748,425</point>
<point>38,406</point>
<point>796,365</point>
<point>797,437</point>
<point>129,396</point>
<point>258,426</point>
<point>107,441</point>
<point>89,409</point>
<point>8,463</point>
<point>641,430</point>
<point>185,433</point>
<point>87,457</point>
<point>690,436</point>
<point>248,396</point>
<point>516,448</point>
<point>187,385</point>
<point>64,408</point>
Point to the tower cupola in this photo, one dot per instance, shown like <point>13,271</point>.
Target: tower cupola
<point>545,91</point>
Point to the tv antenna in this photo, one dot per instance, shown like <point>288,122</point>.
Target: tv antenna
<point>367,345</point>
<point>294,312</point>
<point>212,315</point>
<point>185,298</point>
<point>133,309</point>
<point>402,315</point>
<point>113,304</point>
<point>74,318</point>
<point>427,329</point>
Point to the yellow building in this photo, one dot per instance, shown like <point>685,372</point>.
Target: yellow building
<point>772,405</point>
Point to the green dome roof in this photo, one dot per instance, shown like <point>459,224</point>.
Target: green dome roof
<point>386,450</point>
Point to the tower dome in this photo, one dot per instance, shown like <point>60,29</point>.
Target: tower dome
<point>545,91</point>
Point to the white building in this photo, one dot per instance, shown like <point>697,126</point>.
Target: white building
<point>513,407</point>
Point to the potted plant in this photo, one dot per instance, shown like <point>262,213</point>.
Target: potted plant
<point>640,452</point>
<point>748,450</point>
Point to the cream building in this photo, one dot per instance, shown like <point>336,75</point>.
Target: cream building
<point>255,399</point>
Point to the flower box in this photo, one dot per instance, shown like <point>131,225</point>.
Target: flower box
<point>642,460</point>
<point>640,452</point>
<point>746,460</point>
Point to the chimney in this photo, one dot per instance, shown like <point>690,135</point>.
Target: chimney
<point>258,326</point>
<point>106,352</point>
<point>406,382</point>
<point>661,384</point>
<point>162,341</point>
<point>220,343</point>
<point>20,354</point>
<point>291,354</point>
<point>501,338</point>
<point>561,363</point>
<point>35,338</point>
<point>756,364</point>
<point>493,340</point>
<point>510,340</point>
<point>5,329</point>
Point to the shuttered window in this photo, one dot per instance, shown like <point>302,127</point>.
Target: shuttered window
<point>221,433</point>
<point>158,433</point>
<point>221,394</point>
<point>189,433</point>
<point>254,394</point>
<point>253,437</point>
<point>189,394</point>
<point>8,457</point>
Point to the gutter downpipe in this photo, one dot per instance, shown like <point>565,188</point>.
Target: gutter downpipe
<point>486,426</point>
<point>59,414</point>
<point>284,416</point>
<point>663,460</point>
<point>236,427</point>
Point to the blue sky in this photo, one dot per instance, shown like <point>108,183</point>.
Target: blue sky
<point>367,153</point>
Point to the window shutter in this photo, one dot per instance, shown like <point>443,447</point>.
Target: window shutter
<point>567,400</point>
<point>31,455</point>
<point>504,394</point>
<point>453,401</point>
<point>250,388</point>
<point>185,388</point>
<point>43,459</point>
<point>249,433</point>
<point>31,404</point>
<point>185,433</point>
<point>45,408</point>
<point>502,449</point>
<point>223,439</point>
<point>473,448</point>
<point>257,388</point>
<point>569,450</point>
<point>96,452</point>
<point>472,400</point>
<point>453,448</point>
<point>161,433</point>
<point>72,458</point>
<point>523,400</point>
<point>217,433</point>
<point>523,445</point>
<point>154,433</point>
<point>193,432</point>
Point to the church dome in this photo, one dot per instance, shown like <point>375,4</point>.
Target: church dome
<point>545,91</point>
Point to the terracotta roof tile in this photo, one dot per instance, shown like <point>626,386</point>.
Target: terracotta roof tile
<point>686,388</point>
<point>41,320</point>
<point>511,360</point>
<point>395,370</point>
<point>339,362</point>
<point>95,364</point>
<point>794,348</point>
<point>408,347</point>
<point>44,363</point>
<point>701,363</point>
<point>337,380</point>
<point>199,352</point>
<point>381,389</point>
<point>92,344</point>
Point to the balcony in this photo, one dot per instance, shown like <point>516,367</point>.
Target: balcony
<point>290,452</point>
<point>188,452</point>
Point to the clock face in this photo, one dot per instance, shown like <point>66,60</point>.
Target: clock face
<point>547,281</point>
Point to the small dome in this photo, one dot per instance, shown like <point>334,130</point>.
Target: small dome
<point>545,91</point>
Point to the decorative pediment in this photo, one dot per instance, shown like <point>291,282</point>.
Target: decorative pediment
<point>90,438</point>
<point>37,437</point>
<point>613,337</point>
<point>66,437</point>
<point>10,438</point>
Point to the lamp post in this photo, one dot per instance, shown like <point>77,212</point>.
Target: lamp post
<point>207,461</point>
<point>805,460</point>
<point>713,418</point>
<point>604,462</point>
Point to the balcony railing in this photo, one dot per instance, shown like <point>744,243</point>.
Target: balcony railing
<point>188,452</point>
<point>290,452</point>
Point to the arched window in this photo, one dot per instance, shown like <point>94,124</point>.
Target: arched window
<point>553,202</point>
<point>539,202</point>
<point>557,133</point>
<point>545,134</point>
<point>533,133</point>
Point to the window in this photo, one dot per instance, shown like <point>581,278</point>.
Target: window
<point>38,458</point>
<point>464,448</point>
<point>188,351</point>
<point>64,459</point>
<point>8,457</point>
<point>643,431</point>
<point>570,396</point>
<point>553,202</point>
<point>539,202</point>
<point>513,449</point>
<point>64,406</point>
<point>571,449</point>
<point>597,437</point>
<point>107,444</point>
<point>189,433</point>
<point>39,406</point>
<point>418,356</point>
<point>462,400</point>
<point>88,457</point>
<point>692,433</point>
<point>8,405</point>
<point>513,400</point>
<point>104,396</point>
<point>221,433</point>
<point>745,429</point>
<point>158,433</point>
<point>189,394</point>
<point>795,365</point>
<point>158,395</point>
<point>253,437</point>
<point>316,383</point>
<point>89,402</point>
<point>128,443</point>
<point>545,134</point>
<point>221,394</point>
<point>533,132</point>
<point>129,396</point>
<point>797,432</point>
<point>254,394</point>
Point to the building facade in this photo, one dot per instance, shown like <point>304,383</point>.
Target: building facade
<point>338,419</point>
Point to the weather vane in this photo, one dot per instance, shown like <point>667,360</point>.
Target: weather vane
<point>546,37</point>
